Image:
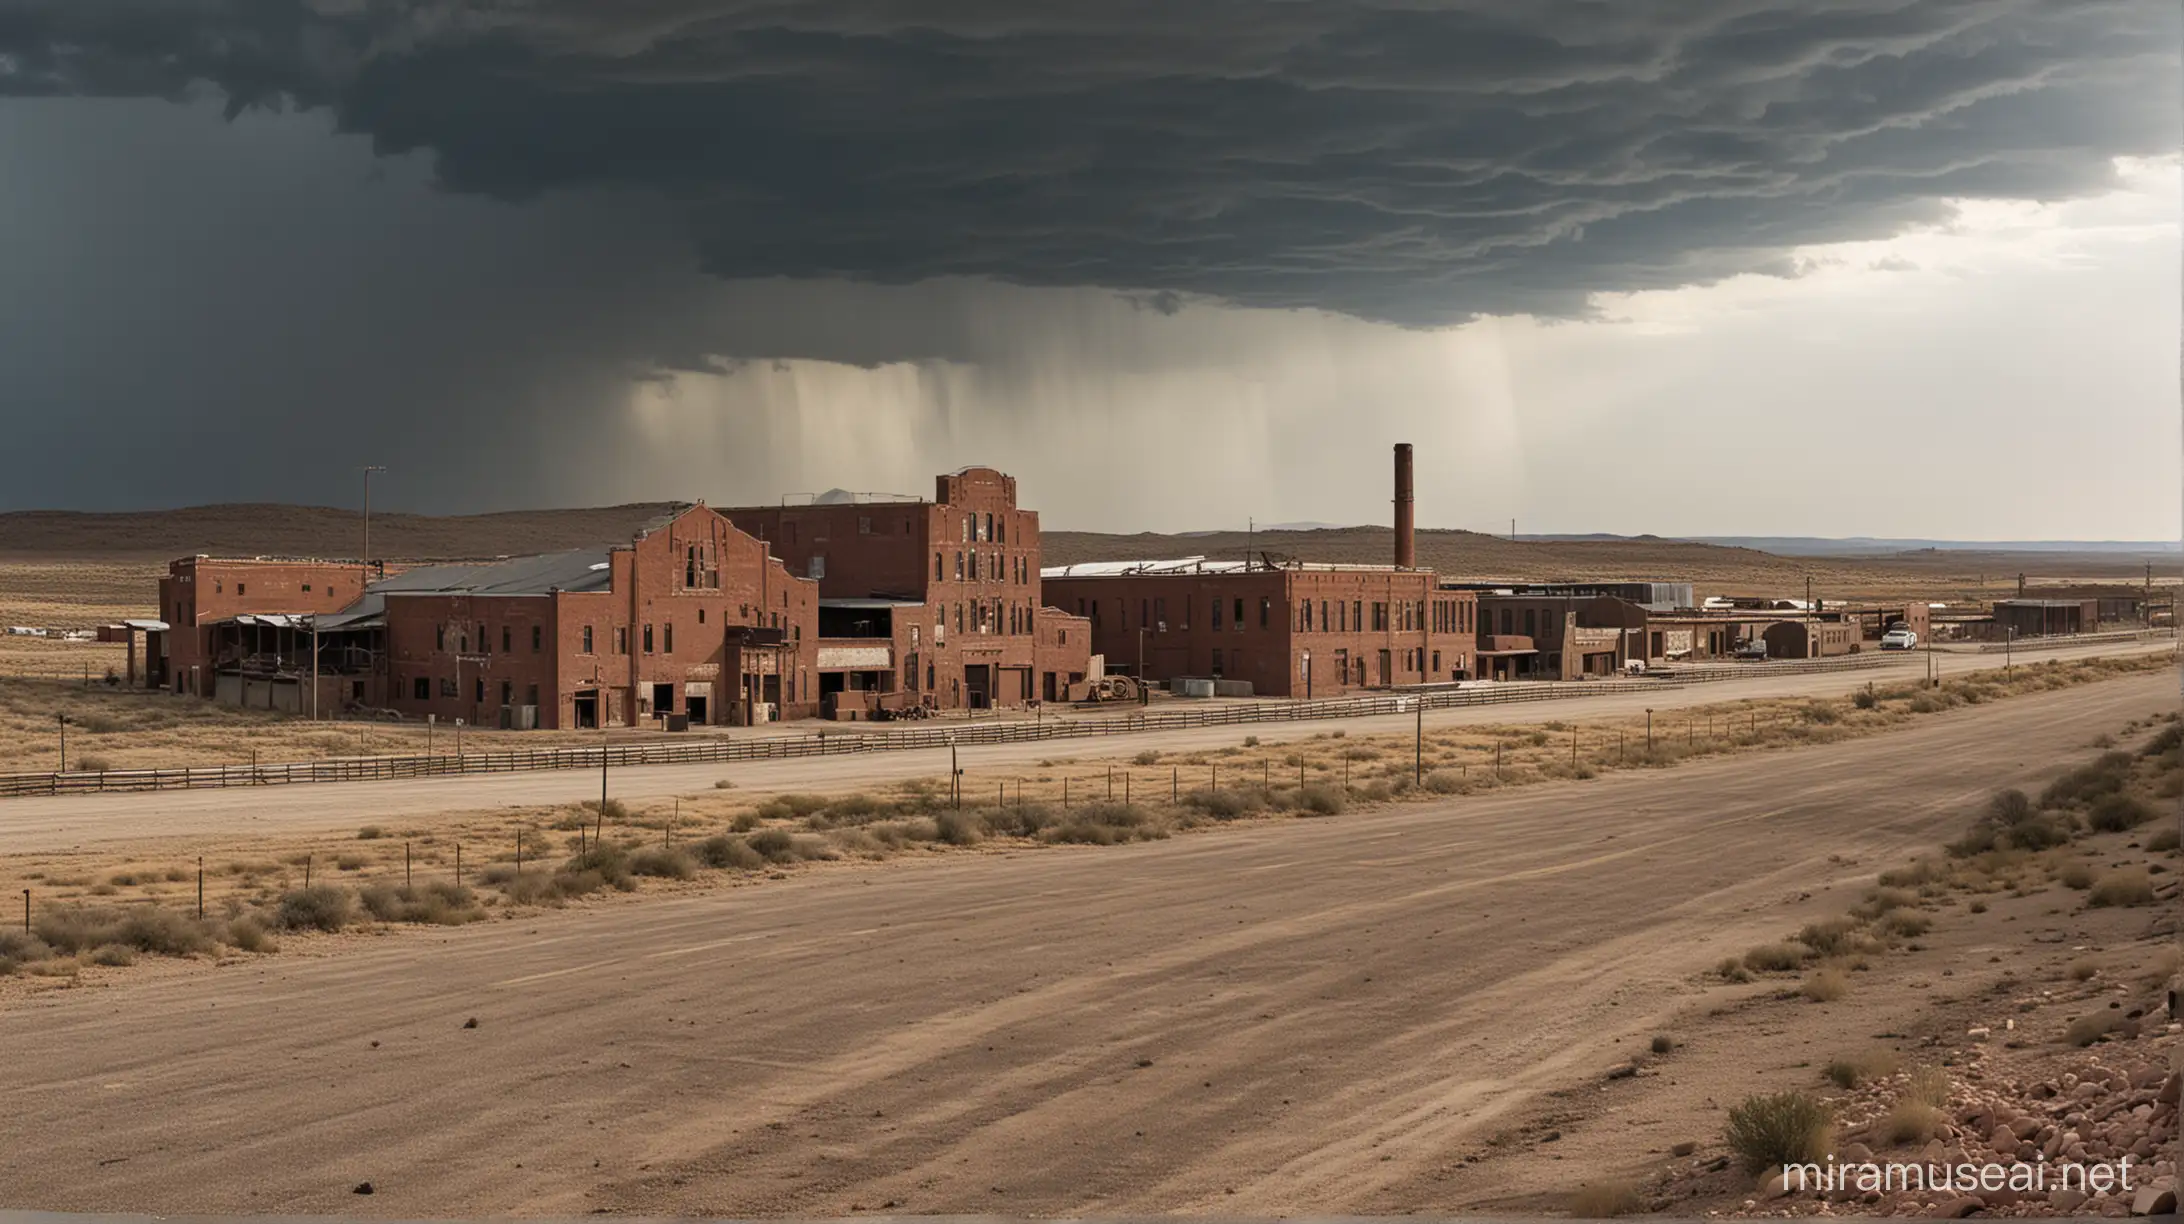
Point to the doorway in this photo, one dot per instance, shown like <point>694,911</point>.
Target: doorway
<point>695,706</point>
<point>978,683</point>
<point>587,711</point>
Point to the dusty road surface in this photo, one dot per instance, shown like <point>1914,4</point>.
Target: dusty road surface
<point>77,821</point>
<point>1296,1016</point>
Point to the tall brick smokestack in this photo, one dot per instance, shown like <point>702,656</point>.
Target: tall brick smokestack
<point>1406,535</point>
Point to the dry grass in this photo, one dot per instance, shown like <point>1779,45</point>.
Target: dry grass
<point>1862,1068</point>
<point>1782,1128</point>
<point>2128,886</point>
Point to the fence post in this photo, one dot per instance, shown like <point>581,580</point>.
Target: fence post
<point>1125,786</point>
<point>307,871</point>
<point>26,911</point>
<point>405,865</point>
<point>519,852</point>
<point>1216,779</point>
<point>458,864</point>
<point>200,888</point>
<point>1175,783</point>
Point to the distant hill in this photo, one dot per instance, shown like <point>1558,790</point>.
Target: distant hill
<point>1860,546</point>
<point>312,531</point>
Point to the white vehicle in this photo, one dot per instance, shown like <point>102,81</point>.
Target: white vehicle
<point>1899,638</point>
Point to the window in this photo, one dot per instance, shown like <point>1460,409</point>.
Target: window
<point>587,641</point>
<point>481,691</point>
<point>1217,616</point>
<point>817,567</point>
<point>959,567</point>
<point>447,687</point>
<point>508,692</point>
<point>307,588</point>
<point>940,567</point>
<point>864,524</point>
<point>1507,622</point>
<point>621,639</point>
<point>439,637</point>
<point>669,643</point>
<point>1357,622</point>
<point>421,689</point>
<point>507,639</point>
<point>536,637</point>
<point>1304,615</point>
<point>1160,615</point>
<point>530,694</point>
<point>1531,622</point>
<point>1237,620</point>
<point>242,588</point>
<point>1436,662</point>
<point>1266,611</point>
<point>1001,530</point>
<point>974,567</point>
<point>966,525</point>
<point>989,527</point>
<point>1380,617</point>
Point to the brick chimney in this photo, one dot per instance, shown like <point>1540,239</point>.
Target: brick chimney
<point>1406,535</point>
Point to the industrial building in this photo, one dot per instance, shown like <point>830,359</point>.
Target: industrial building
<point>1286,628</point>
<point>696,621</point>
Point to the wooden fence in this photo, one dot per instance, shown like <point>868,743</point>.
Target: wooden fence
<point>710,750</point>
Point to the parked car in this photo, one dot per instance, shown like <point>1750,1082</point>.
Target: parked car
<point>1899,638</point>
<point>1751,648</point>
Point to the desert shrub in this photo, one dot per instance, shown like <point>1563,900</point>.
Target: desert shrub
<point>959,828</point>
<point>616,809</point>
<point>1147,757</point>
<point>1826,986</point>
<point>1921,871</point>
<point>721,850</point>
<point>1911,1122</point>
<point>1662,1043</point>
<point>145,928</point>
<point>1732,969</point>
<point>2162,841</point>
<point>1904,924</point>
<point>1321,800</point>
<point>2074,875</point>
<point>1929,703</point>
<point>1603,1200</point>
<point>20,947</point>
<point>320,907</point>
<point>1778,1129</point>
<point>2105,775</point>
<point>1018,820</point>
<point>2170,740</point>
<point>851,810</point>
<point>370,833</point>
<point>2116,813</point>
<point>791,807</point>
<point>350,862</point>
<point>1928,1086</point>
<point>1864,699</point>
<point>2009,807</point>
<point>1776,957</point>
<point>1444,781</point>
<point>609,862</point>
<point>1106,824</point>
<point>1223,804</point>
<point>1821,713</point>
<point>1879,901</point>
<point>1861,1068</point>
<point>113,955</point>
<point>247,932</point>
<point>438,903</point>
<point>2130,886</point>
<point>744,822</point>
<point>724,784</point>
<point>1831,938</point>
<point>663,862</point>
<point>1251,741</point>
<point>2089,1028</point>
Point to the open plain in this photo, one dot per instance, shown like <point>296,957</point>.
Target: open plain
<point>1296,1016</point>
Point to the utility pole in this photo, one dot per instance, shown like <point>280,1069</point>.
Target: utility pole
<point>368,469</point>
<point>62,720</point>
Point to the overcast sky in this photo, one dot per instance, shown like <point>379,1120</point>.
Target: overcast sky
<point>1904,268</point>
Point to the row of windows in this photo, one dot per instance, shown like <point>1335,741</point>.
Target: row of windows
<point>421,690</point>
<point>988,616</point>
<point>976,530</point>
<point>969,567</point>
<point>485,643</point>
<point>1333,616</point>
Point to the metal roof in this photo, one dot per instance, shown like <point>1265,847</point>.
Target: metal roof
<point>871,603</point>
<point>579,570</point>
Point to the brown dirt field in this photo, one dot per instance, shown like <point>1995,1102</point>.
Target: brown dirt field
<point>1293,1016</point>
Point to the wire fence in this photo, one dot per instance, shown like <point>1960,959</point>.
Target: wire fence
<point>832,743</point>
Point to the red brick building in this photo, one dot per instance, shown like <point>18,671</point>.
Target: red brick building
<point>1290,630</point>
<point>833,608</point>
<point>939,601</point>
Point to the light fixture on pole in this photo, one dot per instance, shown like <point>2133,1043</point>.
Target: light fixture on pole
<point>368,469</point>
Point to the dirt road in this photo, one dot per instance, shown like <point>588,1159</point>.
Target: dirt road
<point>77,821</point>
<point>1298,1016</point>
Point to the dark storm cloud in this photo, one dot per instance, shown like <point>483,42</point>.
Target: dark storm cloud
<point>1415,162</point>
